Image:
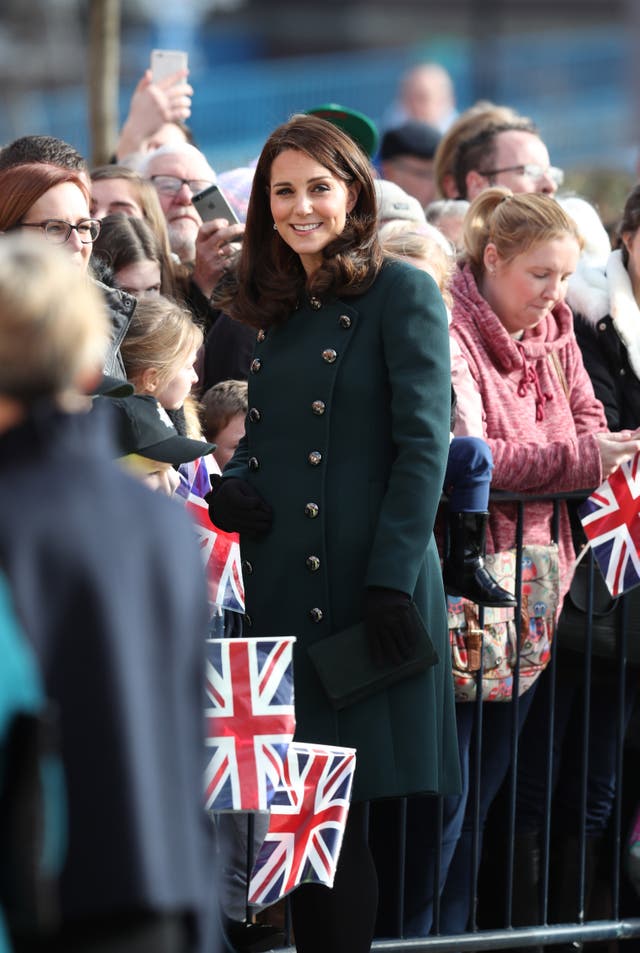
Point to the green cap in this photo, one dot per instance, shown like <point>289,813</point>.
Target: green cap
<point>359,127</point>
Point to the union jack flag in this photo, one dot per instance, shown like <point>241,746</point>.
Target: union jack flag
<point>250,720</point>
<point>308,817</point>
<point>220,551</point>
<point>611,521</point>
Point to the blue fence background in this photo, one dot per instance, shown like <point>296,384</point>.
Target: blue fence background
<point>574,84</point>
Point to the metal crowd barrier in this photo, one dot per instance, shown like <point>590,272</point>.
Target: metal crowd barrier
<point>613,927</point>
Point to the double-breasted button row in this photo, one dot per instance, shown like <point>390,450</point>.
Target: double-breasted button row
<point>344,321</point>
<point>329,355</point>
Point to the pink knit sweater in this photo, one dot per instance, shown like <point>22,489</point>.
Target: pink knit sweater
<point>542,441</point>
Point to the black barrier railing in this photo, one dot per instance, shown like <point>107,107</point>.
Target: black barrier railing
<point>610,926</point>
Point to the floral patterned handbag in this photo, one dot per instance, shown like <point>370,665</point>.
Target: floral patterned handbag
<point>494,646</point>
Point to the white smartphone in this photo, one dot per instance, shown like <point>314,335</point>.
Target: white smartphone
<point>211,203</point>
<point>166,62</point>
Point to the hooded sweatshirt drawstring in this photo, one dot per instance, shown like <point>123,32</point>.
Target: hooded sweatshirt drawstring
<point>529,378</point>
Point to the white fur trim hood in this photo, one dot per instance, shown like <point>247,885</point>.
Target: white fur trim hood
<point>620,303</point>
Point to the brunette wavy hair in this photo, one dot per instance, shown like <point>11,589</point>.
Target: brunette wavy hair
<point>269,278</point>
<point>22,185</point>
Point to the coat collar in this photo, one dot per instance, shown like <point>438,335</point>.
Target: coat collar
<point>623,309</point>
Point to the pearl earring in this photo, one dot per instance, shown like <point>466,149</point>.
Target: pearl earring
<point>275,227</point>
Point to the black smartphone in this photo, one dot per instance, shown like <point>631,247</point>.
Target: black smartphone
<point>211,203</point>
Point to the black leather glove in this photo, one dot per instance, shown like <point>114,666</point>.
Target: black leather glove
<point>389,625</point>
<point>236,507</point>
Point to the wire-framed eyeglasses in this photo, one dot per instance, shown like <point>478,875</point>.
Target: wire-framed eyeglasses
<point>532,171</point>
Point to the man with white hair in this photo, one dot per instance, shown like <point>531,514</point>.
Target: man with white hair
<point>179,171</point>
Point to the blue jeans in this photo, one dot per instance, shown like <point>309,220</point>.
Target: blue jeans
<point>567,745</point>
<point>467,479</point>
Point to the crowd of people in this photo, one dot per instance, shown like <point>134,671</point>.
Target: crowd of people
<point>395,318</point>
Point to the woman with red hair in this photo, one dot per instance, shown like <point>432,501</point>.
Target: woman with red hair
<point>54,202</point>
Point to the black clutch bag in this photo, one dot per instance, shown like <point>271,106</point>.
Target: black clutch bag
<point>346,669</point>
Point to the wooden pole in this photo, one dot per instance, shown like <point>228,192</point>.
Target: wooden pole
<point>104,78</point>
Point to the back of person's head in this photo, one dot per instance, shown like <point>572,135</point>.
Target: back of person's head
<point>220,403</point>
<point>514,223</point>
<point>161,336</point>
<point>22,185</point>
<point>447,215</point>
<point>466,126</point>
<point>422,244</point>
<point>42,149</point>
<point>478,152</point>
<point>629,223</point>
<point>54,331</point>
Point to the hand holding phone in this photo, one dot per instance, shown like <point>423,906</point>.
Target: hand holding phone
<point>211,203</point>
<point>167,62</point>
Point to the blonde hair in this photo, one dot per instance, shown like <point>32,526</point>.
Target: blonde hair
<point>513,223</point>
<point>161,335</point>
<point>406,239</point>
<point>53,320</point>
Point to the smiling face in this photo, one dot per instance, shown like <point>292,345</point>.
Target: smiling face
<point>66,203</point>
<point>309,205</point>
<point>523,290</point>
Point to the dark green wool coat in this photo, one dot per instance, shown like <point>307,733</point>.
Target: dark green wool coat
<point>347,439</point>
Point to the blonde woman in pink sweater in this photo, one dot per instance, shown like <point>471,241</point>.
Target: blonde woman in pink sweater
<point>545,427</point>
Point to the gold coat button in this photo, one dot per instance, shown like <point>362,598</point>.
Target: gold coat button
<point>254,415</point>
<point>313,563</point>
<point>256,364</point>
<point>261,336</point>
<point>329,355</point>
<point>254,463</point>
<point>314,458</point>
<point>344,321</point>
<point>602,326</point>
<point>316,615</point>
<point>311,510</point>
<point>318,407</point>
<point>247,567</point>
<point>315,303</point>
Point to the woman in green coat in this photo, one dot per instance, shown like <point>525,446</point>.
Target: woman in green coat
<point>335,487</point>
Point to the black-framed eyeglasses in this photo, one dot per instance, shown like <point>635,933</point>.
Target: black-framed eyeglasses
<point>532,171</point>
<point>58,232</point>
<point>171,184</point>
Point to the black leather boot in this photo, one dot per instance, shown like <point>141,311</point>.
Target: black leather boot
<point>525,904</point>
<point>563,888</point>
<point>463,571</point>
